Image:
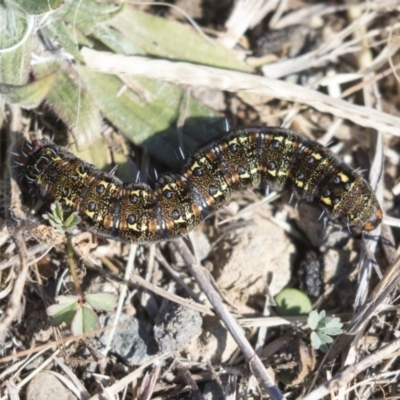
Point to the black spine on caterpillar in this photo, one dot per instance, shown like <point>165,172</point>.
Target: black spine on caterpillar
<point>243,158</point>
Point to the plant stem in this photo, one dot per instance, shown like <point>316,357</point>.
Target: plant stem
<point>72,267</point>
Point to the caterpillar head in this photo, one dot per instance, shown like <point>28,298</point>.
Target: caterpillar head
<point>374,220</point>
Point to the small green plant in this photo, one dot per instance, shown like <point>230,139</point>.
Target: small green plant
<point>56,218</point>
<point>80,312</point>
<point>323,328</point>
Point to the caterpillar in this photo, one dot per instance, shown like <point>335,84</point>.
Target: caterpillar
<point>243,158</point>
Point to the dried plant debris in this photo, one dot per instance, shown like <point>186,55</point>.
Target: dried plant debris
<point>311,275</point>
<point>290,41</point>
<point>293,359</point>
<point>265,297</point>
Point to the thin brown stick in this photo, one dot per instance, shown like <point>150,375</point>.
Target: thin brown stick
<point>373,79</point>
<point>137,279</point>
<point>72,267</point>
<point>256,366</point>
<point>185,375</point>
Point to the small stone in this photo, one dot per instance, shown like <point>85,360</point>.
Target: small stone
<point>133,339</point>
<point>176,327</point>
<point>45,386</point>
<point>248,255</point>
<point>215,343</point>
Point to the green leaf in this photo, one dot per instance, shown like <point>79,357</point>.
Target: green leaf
<point>58,211</point>
<point>324,348</point>
<point>324,338</point>
<point>72,221</point>
<point>57,29</point>
<point>335,322</point>
<point>324,322</point>
<point>85,15</point>
<point>142,117</point>
<point>169,39</point>
<point>323,328</point>
<point>116,41</point>
<point>85,320</point>
<point>333,331</point>
<point>56,218</point>
<point>101,301</point>
<point>34,6</point>
<point>73,103</point>
<point>15,46</point>
<point>313,320</point>
<point>30,95</point>
<point>53,218</point>
<point>315,340</point>
<point>64,310</point>
<point>94,153</point>
<point>292,302</point>
<point>66,300</point>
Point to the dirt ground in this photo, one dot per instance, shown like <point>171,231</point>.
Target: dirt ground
<point>145,87</point>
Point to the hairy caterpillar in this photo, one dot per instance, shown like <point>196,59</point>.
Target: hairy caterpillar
<point>243,158</point>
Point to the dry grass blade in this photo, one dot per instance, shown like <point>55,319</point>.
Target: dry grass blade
<point>190,74</point>
<point>372,307</point>
<point>370,242</point>
<point>73,385</point>
<point>243,16</point>
<point>136,279</point>
<point>79,388</point>
<point>177,277</point>
<point>384,289</point>
<point>149,383</point>
<point>43,347</point>
<point>121,298</point>
<point>124,382</point>
<point>14,303</point>
<point>346,375</point>
<point>170,296</point>
<point>12,391</point>
<point>42,249</point>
